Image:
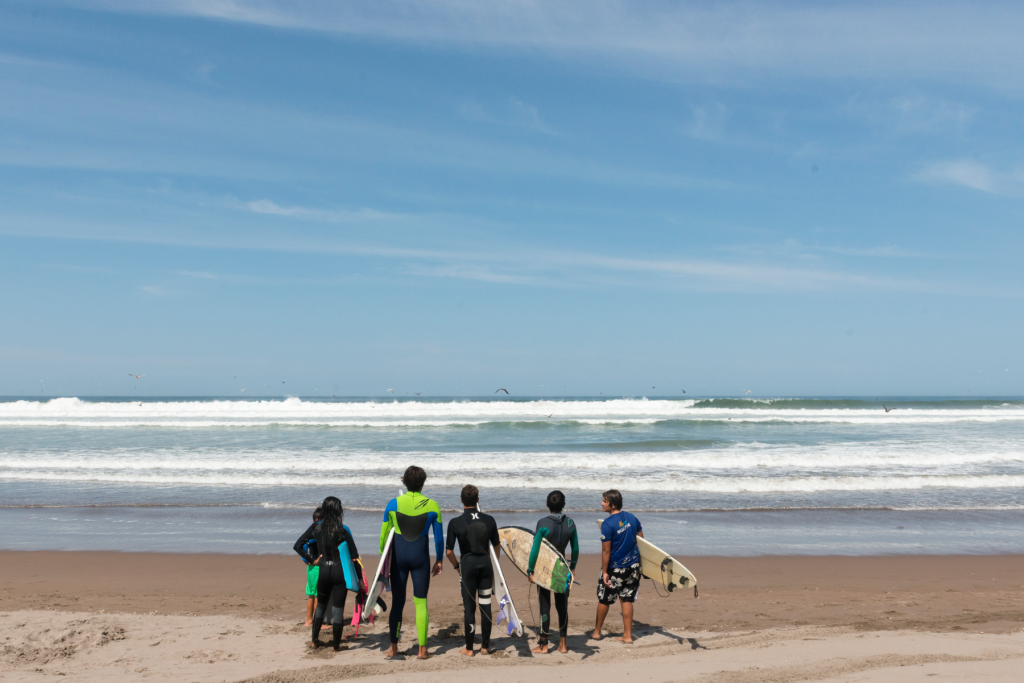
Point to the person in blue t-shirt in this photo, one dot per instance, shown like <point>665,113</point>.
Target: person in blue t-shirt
<point>620,564</point>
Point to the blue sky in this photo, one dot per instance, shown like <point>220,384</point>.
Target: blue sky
<point>448,197</point>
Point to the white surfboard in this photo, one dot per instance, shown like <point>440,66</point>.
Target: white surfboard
<point>659,566</point>
<point>506,608</point>
<point>381,580</point>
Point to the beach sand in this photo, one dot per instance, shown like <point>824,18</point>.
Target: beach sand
<point>142,616</point>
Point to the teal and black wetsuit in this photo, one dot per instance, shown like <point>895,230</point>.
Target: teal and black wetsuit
<point>412,516</point>
<point>560,532</point>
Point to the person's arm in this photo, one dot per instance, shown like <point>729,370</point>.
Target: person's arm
<point>495,539</point>
<point>606,550</point>
<point>303,540</point>
<point>639,528</point>
<point>606,556</point>
<point>451,546</point>
<point>538,538</point>
<point>386,527</point>
<point>438,539</point>
<point>575,541</point>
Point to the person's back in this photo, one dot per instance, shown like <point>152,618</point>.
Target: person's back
<point>621,528</point>
<point>476,533</point>
<point>560,531</point>
<point>413,517</point>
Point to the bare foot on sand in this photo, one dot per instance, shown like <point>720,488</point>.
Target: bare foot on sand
<point>314,645</point>
<point>540,649</point>
<point>624,640</point>
<point>563,648</point>
<point>596,636</point>
<point>423,653</point>
<point>308,623</point>
<point>392,651</point>
<point>468,653</point>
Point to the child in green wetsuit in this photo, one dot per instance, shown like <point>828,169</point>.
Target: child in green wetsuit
<point>560,532</point>
<point>412,516</point>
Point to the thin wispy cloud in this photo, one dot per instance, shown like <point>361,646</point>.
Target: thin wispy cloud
<point>265,206</point>
<point>963,172</point>
<point>514,113</point>
<point>956,41</point>
<point>708,122</point>
<point>924,114</point>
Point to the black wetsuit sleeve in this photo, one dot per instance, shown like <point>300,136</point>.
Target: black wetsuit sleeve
<point>495,541</point>
<point>450,541</point>
<point>347,537</point>
<point>303,540</point>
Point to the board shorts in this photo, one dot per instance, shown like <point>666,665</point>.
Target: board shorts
<point>625,582</point>
<point>312,576</point>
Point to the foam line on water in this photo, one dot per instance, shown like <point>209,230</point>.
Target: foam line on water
<point>554,478</point>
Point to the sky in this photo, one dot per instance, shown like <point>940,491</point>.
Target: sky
<point>573,197</point>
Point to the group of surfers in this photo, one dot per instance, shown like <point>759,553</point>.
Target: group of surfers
<point>413,517</point>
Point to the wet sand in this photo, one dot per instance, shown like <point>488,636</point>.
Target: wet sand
<point>107,615</point>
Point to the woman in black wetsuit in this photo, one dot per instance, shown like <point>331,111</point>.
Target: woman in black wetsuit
<point>329,533</point>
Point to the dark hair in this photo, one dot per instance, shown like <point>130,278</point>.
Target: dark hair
<point>332,516</point>
<point>556,501</point>
<point>318,514</point>
<point>414,478</point>
<point>614,498</point>
<point>470,495</point>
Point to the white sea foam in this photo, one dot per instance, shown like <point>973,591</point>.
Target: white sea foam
<point>674,484</point>
<point>73,412</point>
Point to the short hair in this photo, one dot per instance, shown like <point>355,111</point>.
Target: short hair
<point>413,478</point>
<point>470,495</point>
<point>318,514</point>
<point>556,501</point>
<point>614,498</point>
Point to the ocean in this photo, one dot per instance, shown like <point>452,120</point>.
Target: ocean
<point>714,476</point>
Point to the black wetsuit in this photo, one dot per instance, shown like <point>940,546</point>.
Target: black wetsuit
<point>330,587</point>
<point>475,531</point>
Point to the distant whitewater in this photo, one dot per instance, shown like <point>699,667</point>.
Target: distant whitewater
<point>678,454</point>
<point>759,458</point>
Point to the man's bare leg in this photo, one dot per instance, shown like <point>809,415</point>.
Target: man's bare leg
<point>562,647</point>
<point>627,623</point>
<point>602,612</point>
<point>310,604</point>
<point>423,653</point>
<point>392,651</point>
<point>540,649</point>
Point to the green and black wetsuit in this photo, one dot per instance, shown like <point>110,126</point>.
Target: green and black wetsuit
<point>560,532</point>
<point>413,516</point>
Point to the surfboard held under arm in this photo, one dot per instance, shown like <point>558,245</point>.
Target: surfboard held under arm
<point>551,570</point>
<point>501,595</point>
<point>660,567</point>
<point>380,581</point>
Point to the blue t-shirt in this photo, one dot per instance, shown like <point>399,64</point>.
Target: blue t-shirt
<point>621,529</point>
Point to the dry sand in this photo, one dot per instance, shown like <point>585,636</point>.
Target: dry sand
<point>138,616</point>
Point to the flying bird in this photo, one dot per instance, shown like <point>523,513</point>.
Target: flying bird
<point>684,391</point>
<point>747,391</point>
<point>391,390</point>
<point>549,416</point>
<point>418,393</point>
<point>886,409</point>
<point>131,375</point>
<point>505,390</point>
